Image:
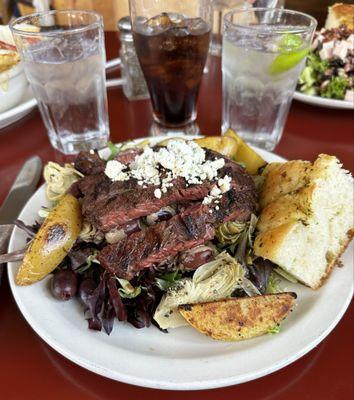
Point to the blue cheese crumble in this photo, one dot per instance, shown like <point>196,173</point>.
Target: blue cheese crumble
<point>180,158</point>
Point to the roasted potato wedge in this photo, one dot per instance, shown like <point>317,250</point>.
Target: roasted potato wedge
<point>224,145</point>
<point>52,242</point>
<point>237,319</point>
<point>245,154</point>
<point>164,142</point>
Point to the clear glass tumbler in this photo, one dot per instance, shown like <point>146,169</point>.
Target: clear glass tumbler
<point>64,60</point>
<point>172,40</point>
<point>221,7</point>
<point>264,51</point>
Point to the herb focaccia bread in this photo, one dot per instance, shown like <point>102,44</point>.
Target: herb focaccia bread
<point>306,219</point>
<point>339,14</point>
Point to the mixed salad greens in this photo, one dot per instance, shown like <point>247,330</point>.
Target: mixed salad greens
<point>329,70</point>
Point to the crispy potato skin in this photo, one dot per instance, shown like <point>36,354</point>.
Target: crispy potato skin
<point>237,319</point>
<point>232,146</point>
<point>226,146</point>
<point>245,154</point>
<point>52,242</point>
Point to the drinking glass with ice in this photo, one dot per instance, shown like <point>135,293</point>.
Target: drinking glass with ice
<point>264,52</point>
<point>64,60</point>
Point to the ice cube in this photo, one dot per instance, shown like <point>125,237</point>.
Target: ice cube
<point>158,24</point>
<point>196,26</point>
<point>179,31</point>
<point>46,51</point>
<point>177,19</point>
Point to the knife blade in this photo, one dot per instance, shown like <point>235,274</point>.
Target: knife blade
<point>21,190</point>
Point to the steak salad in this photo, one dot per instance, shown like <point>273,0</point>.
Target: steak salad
<point>141,235</point>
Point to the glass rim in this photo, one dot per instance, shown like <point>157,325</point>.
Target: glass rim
<point>227,17</point>
<point>43,14</point>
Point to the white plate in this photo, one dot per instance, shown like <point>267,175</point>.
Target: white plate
<point>323,102</point>
<point>182,359</point>
<point>27,103</point>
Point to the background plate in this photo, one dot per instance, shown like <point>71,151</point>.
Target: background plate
<point>323,102</point>
<point>182,359</point>
<point>27,103</point>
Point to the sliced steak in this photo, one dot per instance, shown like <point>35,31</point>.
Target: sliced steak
<point>135,202</point>
<point>108,205</point>
<point>190,260</point>
<point>153,246</point>
<point>128,156</point>
<point>193,227</point>
<point>89,164</point>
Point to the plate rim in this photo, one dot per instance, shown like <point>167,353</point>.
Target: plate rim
<point>18,111</point>
<point>323,101</point>
<point>167,385</point>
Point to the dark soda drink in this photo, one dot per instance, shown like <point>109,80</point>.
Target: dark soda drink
<point>172,50</point>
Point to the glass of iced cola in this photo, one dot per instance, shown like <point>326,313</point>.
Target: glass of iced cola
<point>172,40</point>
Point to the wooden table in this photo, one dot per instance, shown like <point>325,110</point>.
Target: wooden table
<point>31,370</point>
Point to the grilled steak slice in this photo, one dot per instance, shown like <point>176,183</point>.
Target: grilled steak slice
<point>89,164</point>
<point>194,226</point>
<point>134,203</point>
<point>108,205</point>
<point>146,248</point>
<point>127,156</point>
<point>190,260</point>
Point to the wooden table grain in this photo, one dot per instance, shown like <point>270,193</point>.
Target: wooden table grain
<point>31,370</point>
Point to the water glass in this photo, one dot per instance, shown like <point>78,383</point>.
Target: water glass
<point>222,7</point>
<point>64,60</point>
<point>264,51</point>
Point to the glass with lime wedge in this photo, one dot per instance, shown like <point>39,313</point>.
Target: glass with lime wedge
<point>264,51</point>
<point>291,53</point>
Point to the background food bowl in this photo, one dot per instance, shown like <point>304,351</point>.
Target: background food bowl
<point>13,84</point>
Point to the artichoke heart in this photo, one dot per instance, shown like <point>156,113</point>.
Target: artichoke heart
<point>59,179</point>
<point>230,232</point>
<point>212,281</point>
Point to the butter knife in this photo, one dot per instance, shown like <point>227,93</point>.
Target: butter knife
<point>21,190</point>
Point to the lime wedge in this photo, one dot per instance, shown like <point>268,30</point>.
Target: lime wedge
<point>290,41</point>
<point>284,62</point>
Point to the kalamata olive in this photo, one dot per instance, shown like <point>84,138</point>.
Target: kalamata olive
<point>64,284</point>
<point>194,258</point>
<point>87,286</point>
<point>132,226</point>
<point>163,214</point>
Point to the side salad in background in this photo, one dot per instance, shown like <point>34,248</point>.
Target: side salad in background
<point>329,70</point>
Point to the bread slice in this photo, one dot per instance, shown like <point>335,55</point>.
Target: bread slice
<point>236,319</point>
<point>307,218</point>
<point>339,14</point>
